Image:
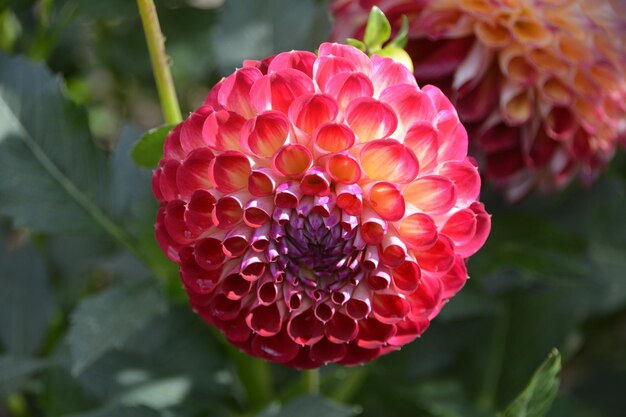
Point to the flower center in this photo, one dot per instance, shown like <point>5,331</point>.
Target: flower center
<point>317,252</point>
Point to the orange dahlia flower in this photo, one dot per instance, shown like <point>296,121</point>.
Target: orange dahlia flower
<point>540,84</point>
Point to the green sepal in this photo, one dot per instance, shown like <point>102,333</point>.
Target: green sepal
<point>377,31</point>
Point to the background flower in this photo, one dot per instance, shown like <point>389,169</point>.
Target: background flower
<point>321,208</point>
<point>539,84</point>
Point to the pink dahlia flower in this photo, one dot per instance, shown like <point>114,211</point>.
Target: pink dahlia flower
<point>540,84</point>
<point>320,207</point>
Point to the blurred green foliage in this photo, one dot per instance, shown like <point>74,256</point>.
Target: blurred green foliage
<point>87,330</point>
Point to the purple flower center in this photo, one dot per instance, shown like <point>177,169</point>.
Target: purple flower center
<point>317,252</point>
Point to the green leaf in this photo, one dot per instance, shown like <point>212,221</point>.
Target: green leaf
<point>537,397</point>
<point>108,319</point>
<point>377,31</point>
<point>148,151</point>
<point>25,300</point>
<point>54,177</point>
<point>258,29</point>
<point>14,371</point>
<point>310,406</point>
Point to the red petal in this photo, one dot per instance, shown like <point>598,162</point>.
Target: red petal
<point>234,93</point>
<point>230,171</point>
<point>278,90</point>
<point>385,198</point>
<point>418,231</point>
<point>305,328</point>
<point>264,134</point>
<point>309,111</point>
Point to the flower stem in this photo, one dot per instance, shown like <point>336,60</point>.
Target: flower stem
<point>160,61</point>
<point>311,378</point>
<point>493,370</point>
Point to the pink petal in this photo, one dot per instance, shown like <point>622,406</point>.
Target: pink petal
<point>465,177</point>
<point>349,198</point>
<point>208,253</point>
<point>341,328</point>
<point>228,212</point>
<point>389,160</point>
<point>483,227</point>
<point>305,328</point>
<point>261,182</point>
<point>387,72</point>
<point>389,308</point>
<point>361,62</point>
<point>193,174</point>
<point>299,60</point>
<point>278,348</point>
<point>409,103</point>
<point>343,168</point>
<point>315,182</point>
<point>406,276</point>
<point>333,137</point>
<point>230,172</point>
<point>264,134</point>
<point>421,138</point>
<point>386,200</point>
<point>454,279</point>
<point>433,194</point>
<point>371,119</point>
<point>234,93</point>
<point>198,216</point>
<point>234,286</point>
<point>325,351</point>
<point>172,148</point>
<point>221,130</point>
<point>439,258</point>
<point>167,179</point>
<point>309,111</point>
<point>174,222</point>
<point>348,86</point>
<point>258,211</point>
<point>418,231</point>
<point>191,131</point>
<point>278,90</point>
<point>460,227</point>
<point>426,298</point>
<point>373,228</point>
<point>452,137</point>
<point>292,160</point>
<point>373,333</point>
<point>265,320</point>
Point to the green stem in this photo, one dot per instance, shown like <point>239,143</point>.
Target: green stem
<point>350,385</point>
<point>311,378</point>
<point>160,61</point>
<point>493,370</point>
<point>255,376</point>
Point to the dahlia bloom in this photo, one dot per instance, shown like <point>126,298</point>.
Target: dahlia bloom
<point>320,207</point>
<point>540,84</point>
